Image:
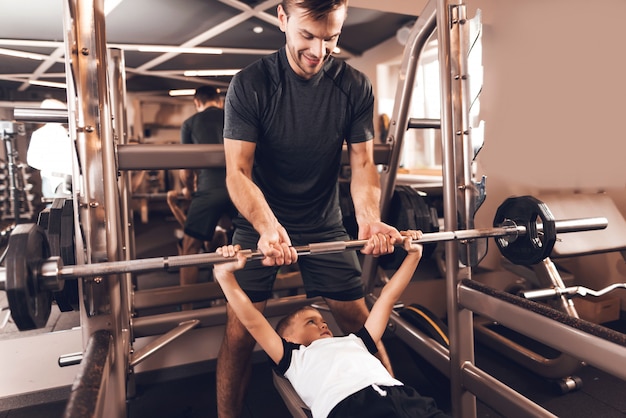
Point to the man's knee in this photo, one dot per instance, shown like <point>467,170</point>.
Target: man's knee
<point>349,315</point>
<point>191,245</point>
<point>236,336</point>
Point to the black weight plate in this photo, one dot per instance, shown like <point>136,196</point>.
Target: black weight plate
<point>66,239</point>
<point>43,218</point>
<point>347,209</point>
<point>53,230</point>
<point>534,246</point>
<point>67,299</point>
<point>30,305</point>
<point>54,222</point>
<point>409,210</point>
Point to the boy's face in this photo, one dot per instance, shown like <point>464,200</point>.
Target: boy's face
<point>309,41</point>
<point>307,326</point>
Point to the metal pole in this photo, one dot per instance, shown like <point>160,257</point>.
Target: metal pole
<point>460,322</point>
<point>38,115</point>
<point>96,195</point>
<point>421,32</point>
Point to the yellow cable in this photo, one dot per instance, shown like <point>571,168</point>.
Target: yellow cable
<point>432,323</point>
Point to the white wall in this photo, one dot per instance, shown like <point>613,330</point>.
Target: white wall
<point>553,105</point>
<point>552,92</point>
<point>370,63</point>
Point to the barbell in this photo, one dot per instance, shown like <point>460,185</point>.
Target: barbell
<point>524,228</point>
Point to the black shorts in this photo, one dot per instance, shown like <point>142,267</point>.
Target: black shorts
<point>205,211</point>
<point>335,276</point>
<point>387,401</point>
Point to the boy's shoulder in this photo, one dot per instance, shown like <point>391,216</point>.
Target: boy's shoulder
<point>283,364</point>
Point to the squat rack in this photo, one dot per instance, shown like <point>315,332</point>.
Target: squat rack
<point>463,196</point>
<point>97,119</point>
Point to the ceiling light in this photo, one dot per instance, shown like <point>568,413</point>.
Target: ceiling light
<point>178,49</point>
<point>22,54</point>
<point>182,92</point>
<point>210,73</point>
<point>47,84</point>
<point>402,34</point>
<point>257,29</point>
<point>336,50</point>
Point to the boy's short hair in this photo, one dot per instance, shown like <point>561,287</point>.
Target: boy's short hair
<point>287,321</point>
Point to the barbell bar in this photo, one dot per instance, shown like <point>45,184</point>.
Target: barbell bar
<point>524,229</point>
<point>52,270</point>
<point>53,267</point>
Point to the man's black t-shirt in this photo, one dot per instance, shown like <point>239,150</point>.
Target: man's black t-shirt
<point>299,127</point>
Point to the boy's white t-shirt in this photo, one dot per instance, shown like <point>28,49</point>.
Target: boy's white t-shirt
<point>331,369</point>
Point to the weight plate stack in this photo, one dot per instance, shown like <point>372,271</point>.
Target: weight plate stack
<point>408,209</point>
<point>58,222</point>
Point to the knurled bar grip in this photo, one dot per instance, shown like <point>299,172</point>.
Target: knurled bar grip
<point>58,271</point>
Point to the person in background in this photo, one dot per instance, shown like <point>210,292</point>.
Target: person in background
<point>206,188</point>
<point>334,376</point>
<point>50,151</point>
<point>287,117</point>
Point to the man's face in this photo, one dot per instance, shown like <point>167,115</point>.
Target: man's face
<point>309,41</point>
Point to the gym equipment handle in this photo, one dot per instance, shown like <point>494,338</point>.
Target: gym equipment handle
<point>543,294</point>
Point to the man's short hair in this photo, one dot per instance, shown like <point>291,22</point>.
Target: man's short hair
<point>316,9</point>
<point>206,94</point>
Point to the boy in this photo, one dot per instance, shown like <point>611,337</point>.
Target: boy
<point>334,376</point>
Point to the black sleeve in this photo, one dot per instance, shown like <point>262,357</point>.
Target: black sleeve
<point>284,362</point>
<point>364,335</point>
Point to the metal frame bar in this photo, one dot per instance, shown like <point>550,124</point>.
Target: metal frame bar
<point>158,324</point>
<point>460,321</point>
<point>95,187</point>
<point>176,156</point>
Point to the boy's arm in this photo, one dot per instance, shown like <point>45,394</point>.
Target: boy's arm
<point>254,321</point>
<point>378,318</point>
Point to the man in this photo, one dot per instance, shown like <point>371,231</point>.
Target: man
<point>51,150</point>
<point>205,187</point>
<point>287,116</point>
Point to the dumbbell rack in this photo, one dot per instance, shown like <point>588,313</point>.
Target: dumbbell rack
<point>16,192</point>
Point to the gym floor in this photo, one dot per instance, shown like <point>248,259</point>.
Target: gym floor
<point>194,396</point>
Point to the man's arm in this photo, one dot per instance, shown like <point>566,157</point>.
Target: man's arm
<point>186,175</point>
<point>172,202</point>
<point>378,318</point>
<point>365,191</point>
<point>274,242</point>
<point>188,178</point>
<point>254,321</point>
